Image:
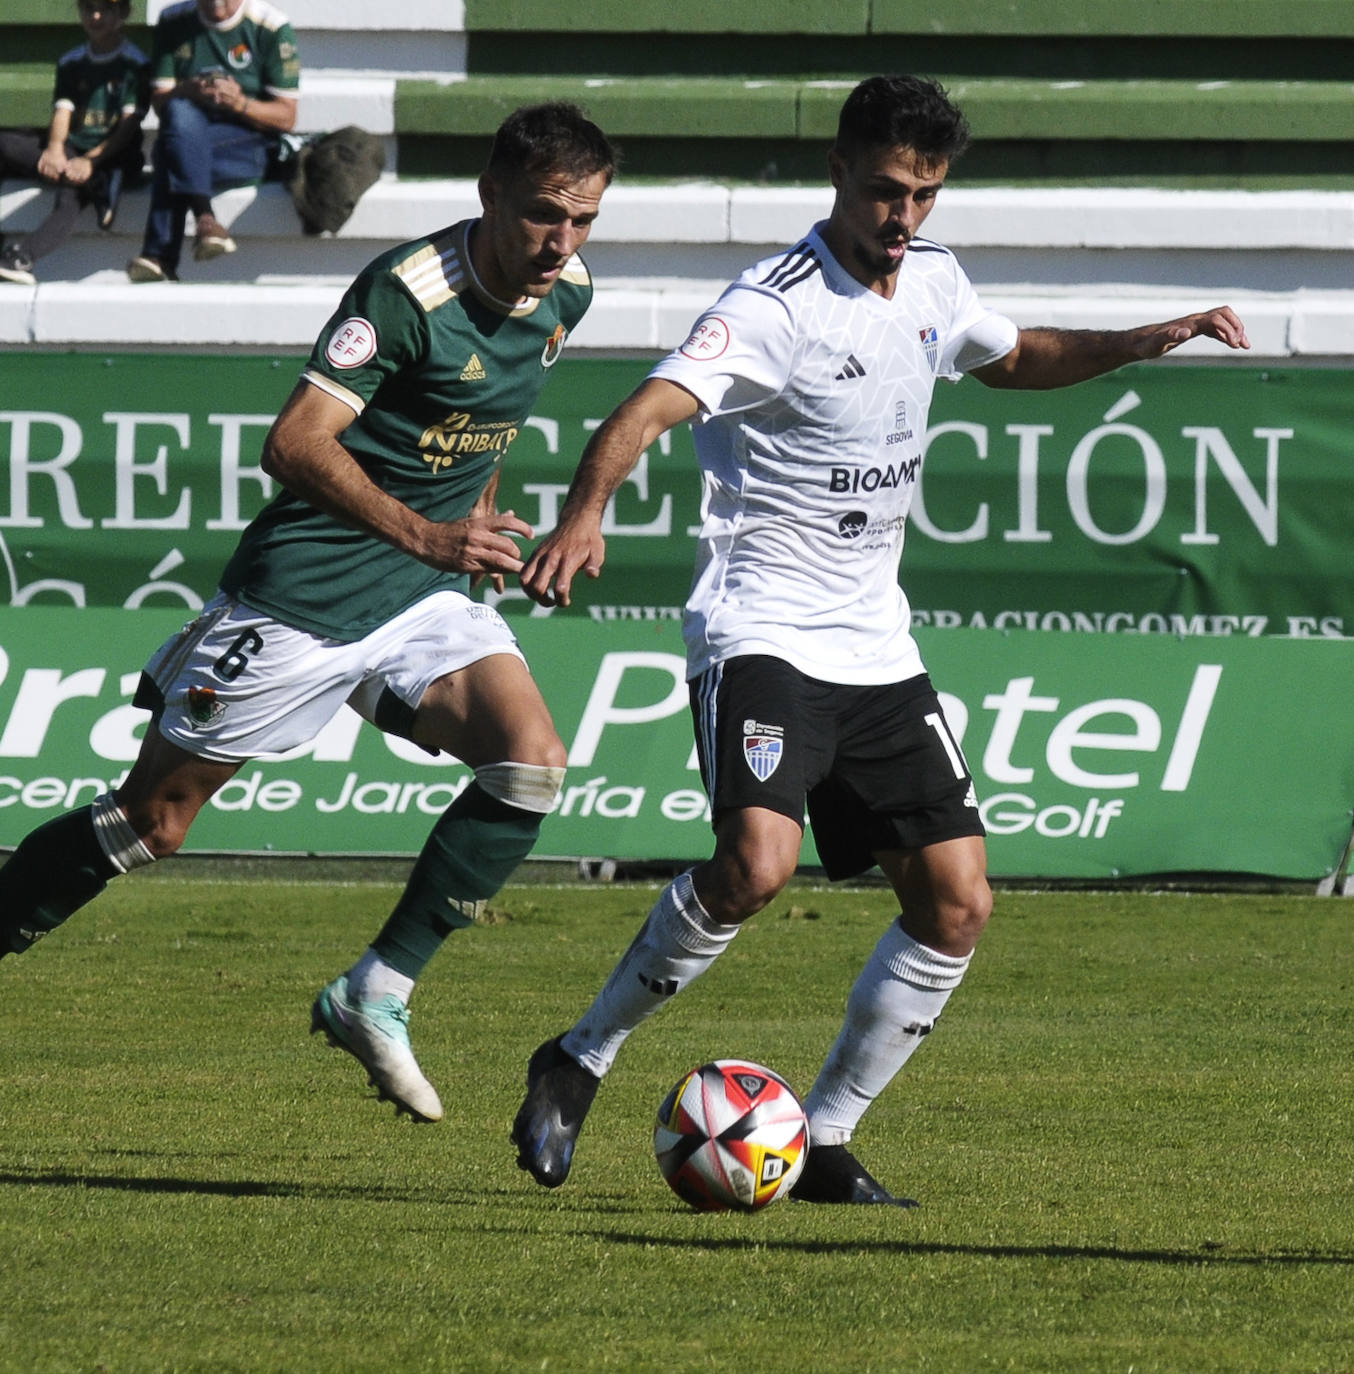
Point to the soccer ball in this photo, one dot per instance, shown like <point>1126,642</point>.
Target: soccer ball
<point>731,1135</point>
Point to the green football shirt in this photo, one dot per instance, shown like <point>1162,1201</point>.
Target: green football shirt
<point>99,89</point>
<point>255,45</point>
<point>441,378</point>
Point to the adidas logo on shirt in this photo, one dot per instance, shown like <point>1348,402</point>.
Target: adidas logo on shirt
<point>853,369</point>
<point>473,371</point>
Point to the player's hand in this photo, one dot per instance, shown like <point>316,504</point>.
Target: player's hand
<point>563,553</point>
<point>478,545</point>
<point>1222,324</point>
<point>77,171</point>
<point>51,164</point>
<point>216,89</point>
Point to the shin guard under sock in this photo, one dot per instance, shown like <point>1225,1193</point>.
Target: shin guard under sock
<point>472,851</point>
<point>677,943</point>
<point>893,1006</point>
<point>56,869</point>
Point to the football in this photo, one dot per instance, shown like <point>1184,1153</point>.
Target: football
<point>731,1135</point>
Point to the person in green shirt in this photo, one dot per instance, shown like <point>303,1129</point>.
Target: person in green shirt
<point>352,585</point>
<point>92,142</point>
<point>224,81</point>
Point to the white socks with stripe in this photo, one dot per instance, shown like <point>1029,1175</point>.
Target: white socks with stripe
<point>676,944</point>
<point>893,1006</point>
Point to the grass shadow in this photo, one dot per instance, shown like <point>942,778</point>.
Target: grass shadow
<point>247,1188</point>
<point>1200,1256</point>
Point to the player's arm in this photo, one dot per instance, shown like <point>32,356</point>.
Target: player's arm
<point>269,112</point>
<point>1044,358</point>
<point>303,452</point>
<point>52,160</point>
<point>576,542</point>
<point>125,131</point>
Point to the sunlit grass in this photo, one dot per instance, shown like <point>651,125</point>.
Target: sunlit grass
<point>1131,1135</point>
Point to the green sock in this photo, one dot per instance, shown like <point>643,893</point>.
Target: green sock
<point>56,869</point>
<point>476,844</point>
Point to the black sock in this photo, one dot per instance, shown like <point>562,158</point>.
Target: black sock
<point>56,869</point>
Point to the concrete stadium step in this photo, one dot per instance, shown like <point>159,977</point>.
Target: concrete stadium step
<point>1255,18</point>
<point>328,100</point>
<point>359,36</point>
<point>1303,326</point>
<point>1252,18</point>
<point>708,212</point>
<point>999,109</point>
<point>660,253</point>
<point>778,128</point>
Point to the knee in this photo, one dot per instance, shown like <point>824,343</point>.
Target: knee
<point>547,752</point>
<point>163,835</point>
<point>180,116</point>
<point>161,827</point>
<point>735,885</point>
<point>534,742</point>
<point>955,917</point>
<point>972,910</point>
<point>183,129</point>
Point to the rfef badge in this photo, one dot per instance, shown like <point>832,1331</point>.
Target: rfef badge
<point>763,746</point>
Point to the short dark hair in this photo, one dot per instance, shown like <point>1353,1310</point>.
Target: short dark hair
<point>123,7</point>
<point>902,112</point>
<point>552,137</point>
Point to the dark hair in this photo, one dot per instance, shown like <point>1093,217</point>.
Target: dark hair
<point>902,112</point>
<point>554,137</point>
<point>124,7</point>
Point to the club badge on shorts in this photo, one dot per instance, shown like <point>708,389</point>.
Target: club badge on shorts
<point>203,707</point>
<point>763,746</point>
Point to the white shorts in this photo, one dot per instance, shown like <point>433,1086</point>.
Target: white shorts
<point>236,684</point>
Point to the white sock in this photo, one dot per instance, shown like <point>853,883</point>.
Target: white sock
<point>371,978</point>
<point>676,944</point>
<point>893,1006</point>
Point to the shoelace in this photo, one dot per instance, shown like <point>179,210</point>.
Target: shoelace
<point>392,1009</point>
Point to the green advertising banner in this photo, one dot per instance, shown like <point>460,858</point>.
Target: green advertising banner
<point>1095,757</point>
<point>1195,501</point>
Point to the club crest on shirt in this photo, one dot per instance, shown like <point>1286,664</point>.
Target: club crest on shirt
<point>763,746</point>
<point>203,707</point>
<point>240,57</point>
<point>554,346</point>
<point>930,342</point>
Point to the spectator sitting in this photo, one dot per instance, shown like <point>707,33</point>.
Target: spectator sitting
<point>224,77</point>
<point>93,140</point>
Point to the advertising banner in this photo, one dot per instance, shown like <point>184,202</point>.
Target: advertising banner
<point>1169,499</point>
<point>1095,756</point>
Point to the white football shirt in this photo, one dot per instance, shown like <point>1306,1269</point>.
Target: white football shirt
<point>813,394</point>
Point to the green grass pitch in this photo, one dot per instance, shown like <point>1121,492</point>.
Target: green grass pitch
<point>1132,1135</point>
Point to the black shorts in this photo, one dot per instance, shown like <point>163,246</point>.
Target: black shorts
<point>876,766</point>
